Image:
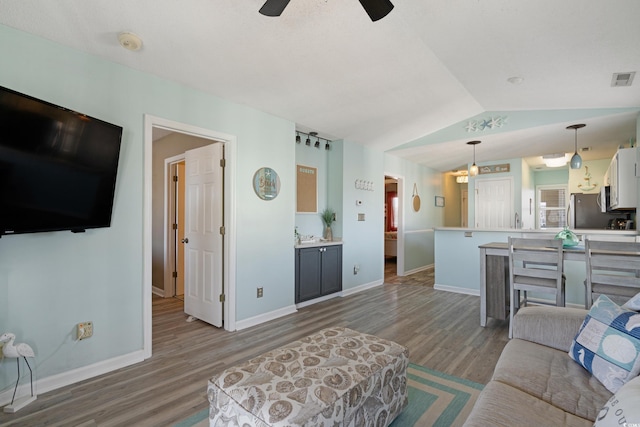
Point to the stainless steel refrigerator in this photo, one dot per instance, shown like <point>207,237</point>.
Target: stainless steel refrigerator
<point>585,212</point>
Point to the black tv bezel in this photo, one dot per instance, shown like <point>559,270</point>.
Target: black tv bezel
<point>116,165</point>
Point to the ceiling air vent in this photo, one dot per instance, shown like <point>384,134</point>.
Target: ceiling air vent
<point>622,79</point>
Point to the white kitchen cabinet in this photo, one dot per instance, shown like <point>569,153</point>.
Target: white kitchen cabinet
<point>622,179</point>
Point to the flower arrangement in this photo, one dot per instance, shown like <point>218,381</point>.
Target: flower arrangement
<point>328,216</point>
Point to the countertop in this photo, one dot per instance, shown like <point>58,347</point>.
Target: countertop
<point>545,231</point>
<point>319,243</point>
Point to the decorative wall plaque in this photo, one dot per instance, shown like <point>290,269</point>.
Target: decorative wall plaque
<point>266,183</point>
<point>494,168</point>
<point>416,198</point>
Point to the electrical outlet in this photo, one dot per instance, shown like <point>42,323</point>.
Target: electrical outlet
<point>356,269</point>
<point>260,292</point>
<point>84,330</point>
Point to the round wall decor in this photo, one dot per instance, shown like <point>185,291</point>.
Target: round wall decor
<point>266,183</point>
<point>416,198</point>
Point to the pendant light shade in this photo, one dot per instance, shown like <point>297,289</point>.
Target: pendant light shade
<point>473,170</point>
<point>576,160</point>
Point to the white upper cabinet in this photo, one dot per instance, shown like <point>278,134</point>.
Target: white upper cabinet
<point>621,175</point>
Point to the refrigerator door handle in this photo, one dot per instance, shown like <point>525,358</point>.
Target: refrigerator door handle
<point>569,213</point>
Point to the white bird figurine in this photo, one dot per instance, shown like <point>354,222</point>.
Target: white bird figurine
<point>17,351</point>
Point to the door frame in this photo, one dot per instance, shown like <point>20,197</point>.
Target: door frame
<point>170,253</point>
<point>400,236</point>
<point>464,207</point>
<point>229,278</point>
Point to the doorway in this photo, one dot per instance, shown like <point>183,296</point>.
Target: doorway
<point>193,222</point>
<point>176,215</point>
<point>155,201</point>
<point>393,226</point>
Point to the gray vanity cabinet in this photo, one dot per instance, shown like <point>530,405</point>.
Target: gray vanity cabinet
<point>318,271</point>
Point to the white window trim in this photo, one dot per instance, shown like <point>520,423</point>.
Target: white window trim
<point>564,187</point>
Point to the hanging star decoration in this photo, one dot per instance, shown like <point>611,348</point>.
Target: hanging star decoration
<point>485,124</point>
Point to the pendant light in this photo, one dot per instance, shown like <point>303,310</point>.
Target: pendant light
<point>473,170</point>
<point>576,160</point>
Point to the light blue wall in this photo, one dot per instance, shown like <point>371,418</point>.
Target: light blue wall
<point>551,177</point>
<point>51,281</point>
<point>458,261</point>
<point>311,223</point>
<point>418,226</point>
<point>363,240</point>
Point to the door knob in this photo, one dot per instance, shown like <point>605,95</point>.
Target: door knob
<point>185,240</point>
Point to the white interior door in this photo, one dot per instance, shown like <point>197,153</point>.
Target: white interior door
<point>494,203</point>
<point>203,240</point>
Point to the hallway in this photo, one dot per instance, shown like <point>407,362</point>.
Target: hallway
<point>422,278</point>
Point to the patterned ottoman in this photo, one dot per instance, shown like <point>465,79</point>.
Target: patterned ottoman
<point>335,377</point>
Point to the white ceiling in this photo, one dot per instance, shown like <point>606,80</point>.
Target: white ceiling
<point>429,65</point>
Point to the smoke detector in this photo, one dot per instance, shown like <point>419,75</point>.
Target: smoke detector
<point>622,79</point>
<point>130,41</point>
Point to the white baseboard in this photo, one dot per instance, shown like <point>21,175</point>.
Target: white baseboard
<point>419,269</point>
<point>317,300</point>
<point>63,379</point>
<point>157,291</point>
<point>257,320</point>
<point>457,290</point>
<point>361,288</point>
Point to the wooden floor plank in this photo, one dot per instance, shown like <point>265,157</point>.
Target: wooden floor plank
<point>441,330</point>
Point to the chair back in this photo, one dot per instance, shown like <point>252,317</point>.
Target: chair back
<point>613,269</point>
<point>536,258</point>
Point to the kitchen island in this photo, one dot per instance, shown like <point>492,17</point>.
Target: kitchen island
<point>458,260</point>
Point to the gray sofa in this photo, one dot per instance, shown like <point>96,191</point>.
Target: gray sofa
<point>535,382</point>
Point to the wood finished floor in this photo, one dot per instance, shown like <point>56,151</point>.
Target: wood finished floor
<point>441,330</point>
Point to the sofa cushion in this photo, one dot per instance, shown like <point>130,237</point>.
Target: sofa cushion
<point>550,326</point>
<point>550,375</point>
<point>502,405</point>
<point>608,343</point>
<point>622,408</point>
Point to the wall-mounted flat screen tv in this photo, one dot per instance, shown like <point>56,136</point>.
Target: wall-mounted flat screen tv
<point>57,167</point>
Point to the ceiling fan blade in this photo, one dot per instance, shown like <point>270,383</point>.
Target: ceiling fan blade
<point>376,9</point>
<point>273,7</point>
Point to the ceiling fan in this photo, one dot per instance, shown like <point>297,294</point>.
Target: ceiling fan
<point>376,9</point>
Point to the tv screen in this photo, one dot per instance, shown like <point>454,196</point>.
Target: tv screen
<point>57,167</point>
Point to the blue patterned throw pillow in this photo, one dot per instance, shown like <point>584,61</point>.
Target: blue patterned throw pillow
<point>633,303</point>
<point>608,343</point>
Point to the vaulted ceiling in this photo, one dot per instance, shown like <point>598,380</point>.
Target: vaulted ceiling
<point>420,82</point>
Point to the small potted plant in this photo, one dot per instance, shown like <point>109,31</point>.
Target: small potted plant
<point>328,216</point>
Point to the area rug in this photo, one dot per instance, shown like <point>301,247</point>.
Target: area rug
<point>435,399</point>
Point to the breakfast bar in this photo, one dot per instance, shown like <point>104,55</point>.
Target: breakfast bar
<point>462,253</point>
<point>494,278</point>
